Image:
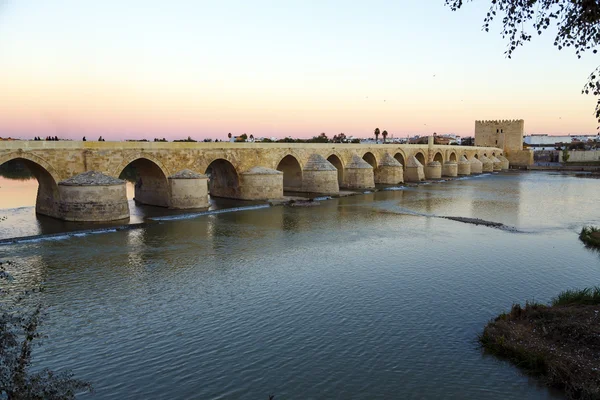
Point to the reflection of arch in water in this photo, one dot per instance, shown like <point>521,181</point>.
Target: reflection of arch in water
<point>400,158</point>
<point>151,185</point>
<point>370,158</point>
<point>438,157</point>
<point>420,157</point>
<point>337,163</point>
<point>223,179</point>
<point>47,195</point>
<point>292,173</point>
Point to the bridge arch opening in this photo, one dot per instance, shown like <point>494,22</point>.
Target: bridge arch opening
<point>370,158</point>
<point>292,173</point>
<point>223,179</point>
<point>420,158</point>
<point>23,169</point>
<point>452,157</point>
<point>476,156</point>
<point>337,163</point>
<point>150,182</point>
<point>400,158</point>
<point>438,157</point>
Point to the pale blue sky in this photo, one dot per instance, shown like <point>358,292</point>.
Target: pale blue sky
<point>171,68</point>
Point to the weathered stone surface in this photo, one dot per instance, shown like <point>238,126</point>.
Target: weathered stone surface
<point>413,171</point>
<point>187,174</point>
<point>450,168</point>
<point>317,162</point>
<point>261,183</point>
<point>433,170</point>
<point>358,174</point>
<point>388,161</point>
<point>505,163</point>
<point>464,166</point>
<point>496,163</point>
<point>92,202</point>
<point>476,166</point>
<point>188,190</point>
<point>53,162</point>
<point>91,178</point>
<point>487,164</point>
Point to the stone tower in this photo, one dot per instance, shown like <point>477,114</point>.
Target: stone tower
<point>505,134</point>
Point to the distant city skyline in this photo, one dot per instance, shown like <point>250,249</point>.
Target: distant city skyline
<point>149,69</point>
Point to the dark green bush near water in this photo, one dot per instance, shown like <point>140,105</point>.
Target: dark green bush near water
<point>590,235</point>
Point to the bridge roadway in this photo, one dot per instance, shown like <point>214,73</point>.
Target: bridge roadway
<point>182,174</point>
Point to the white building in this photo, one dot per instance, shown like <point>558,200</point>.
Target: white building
<point>543,141</point>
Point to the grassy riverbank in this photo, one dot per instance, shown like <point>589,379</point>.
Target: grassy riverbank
<point>559,343</point>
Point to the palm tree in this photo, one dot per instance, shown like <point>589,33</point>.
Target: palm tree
<point>229,135</point>
<point>251,138</point>
<point>376,134</point>
<point>384,134</point>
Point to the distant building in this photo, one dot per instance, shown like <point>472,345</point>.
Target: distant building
<point>543,141</point>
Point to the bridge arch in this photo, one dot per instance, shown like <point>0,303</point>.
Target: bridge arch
<point>476,156</point>
<point>47,198</point>
<point>223,179</point>
<point>336,161</point>
<point>420,157</point>
<point>370,158</point>
<point>292,173</point>
<point>453,157</point>
<point>400,157</point>
<point>150,178</point>
<point>438,157</point>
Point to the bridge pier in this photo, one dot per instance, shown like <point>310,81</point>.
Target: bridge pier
<point>260,183</point>
<point>93,197</point>
<point>487,164</point>
<point>413,172</point>
<point>433,170</point>
<point>496,163</point>
<point>319,176</point>
<point>358,174</point>
<point>464,166</point>
<point>505,162</point>
<point>450,168</point>
<point>389,171</point>
<point>188,189</point>
<point>476,166</point>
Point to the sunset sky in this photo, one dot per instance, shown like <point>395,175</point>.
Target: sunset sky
<point>144,69</point>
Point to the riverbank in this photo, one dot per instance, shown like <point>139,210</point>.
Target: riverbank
<point>559,343</point>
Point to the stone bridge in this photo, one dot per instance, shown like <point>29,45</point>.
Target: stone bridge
<point>77,180</point>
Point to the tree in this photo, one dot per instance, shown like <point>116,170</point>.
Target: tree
<point>384,134</point>
<point>229,135</point>
<point>376,134</point>
<point>578,23</point>
<point>341,138</point>
<point>565,154</point>
<point>252,138</point>
<point>19,322</point>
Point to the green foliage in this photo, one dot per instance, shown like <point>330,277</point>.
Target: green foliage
<point>565,154</point>
<point>20,318</point>
<point>577,23</point>
<point>189,139</point>
<point>376,133</point>
<point>590,235</point>
<point>587,296</point>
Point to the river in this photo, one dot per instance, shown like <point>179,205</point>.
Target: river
<point>369,296</point>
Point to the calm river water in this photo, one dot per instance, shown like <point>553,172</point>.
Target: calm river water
<point>363,297</point>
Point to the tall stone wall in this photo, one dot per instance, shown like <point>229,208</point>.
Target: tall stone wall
<point>504,134</point>
<point>581,156</point>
